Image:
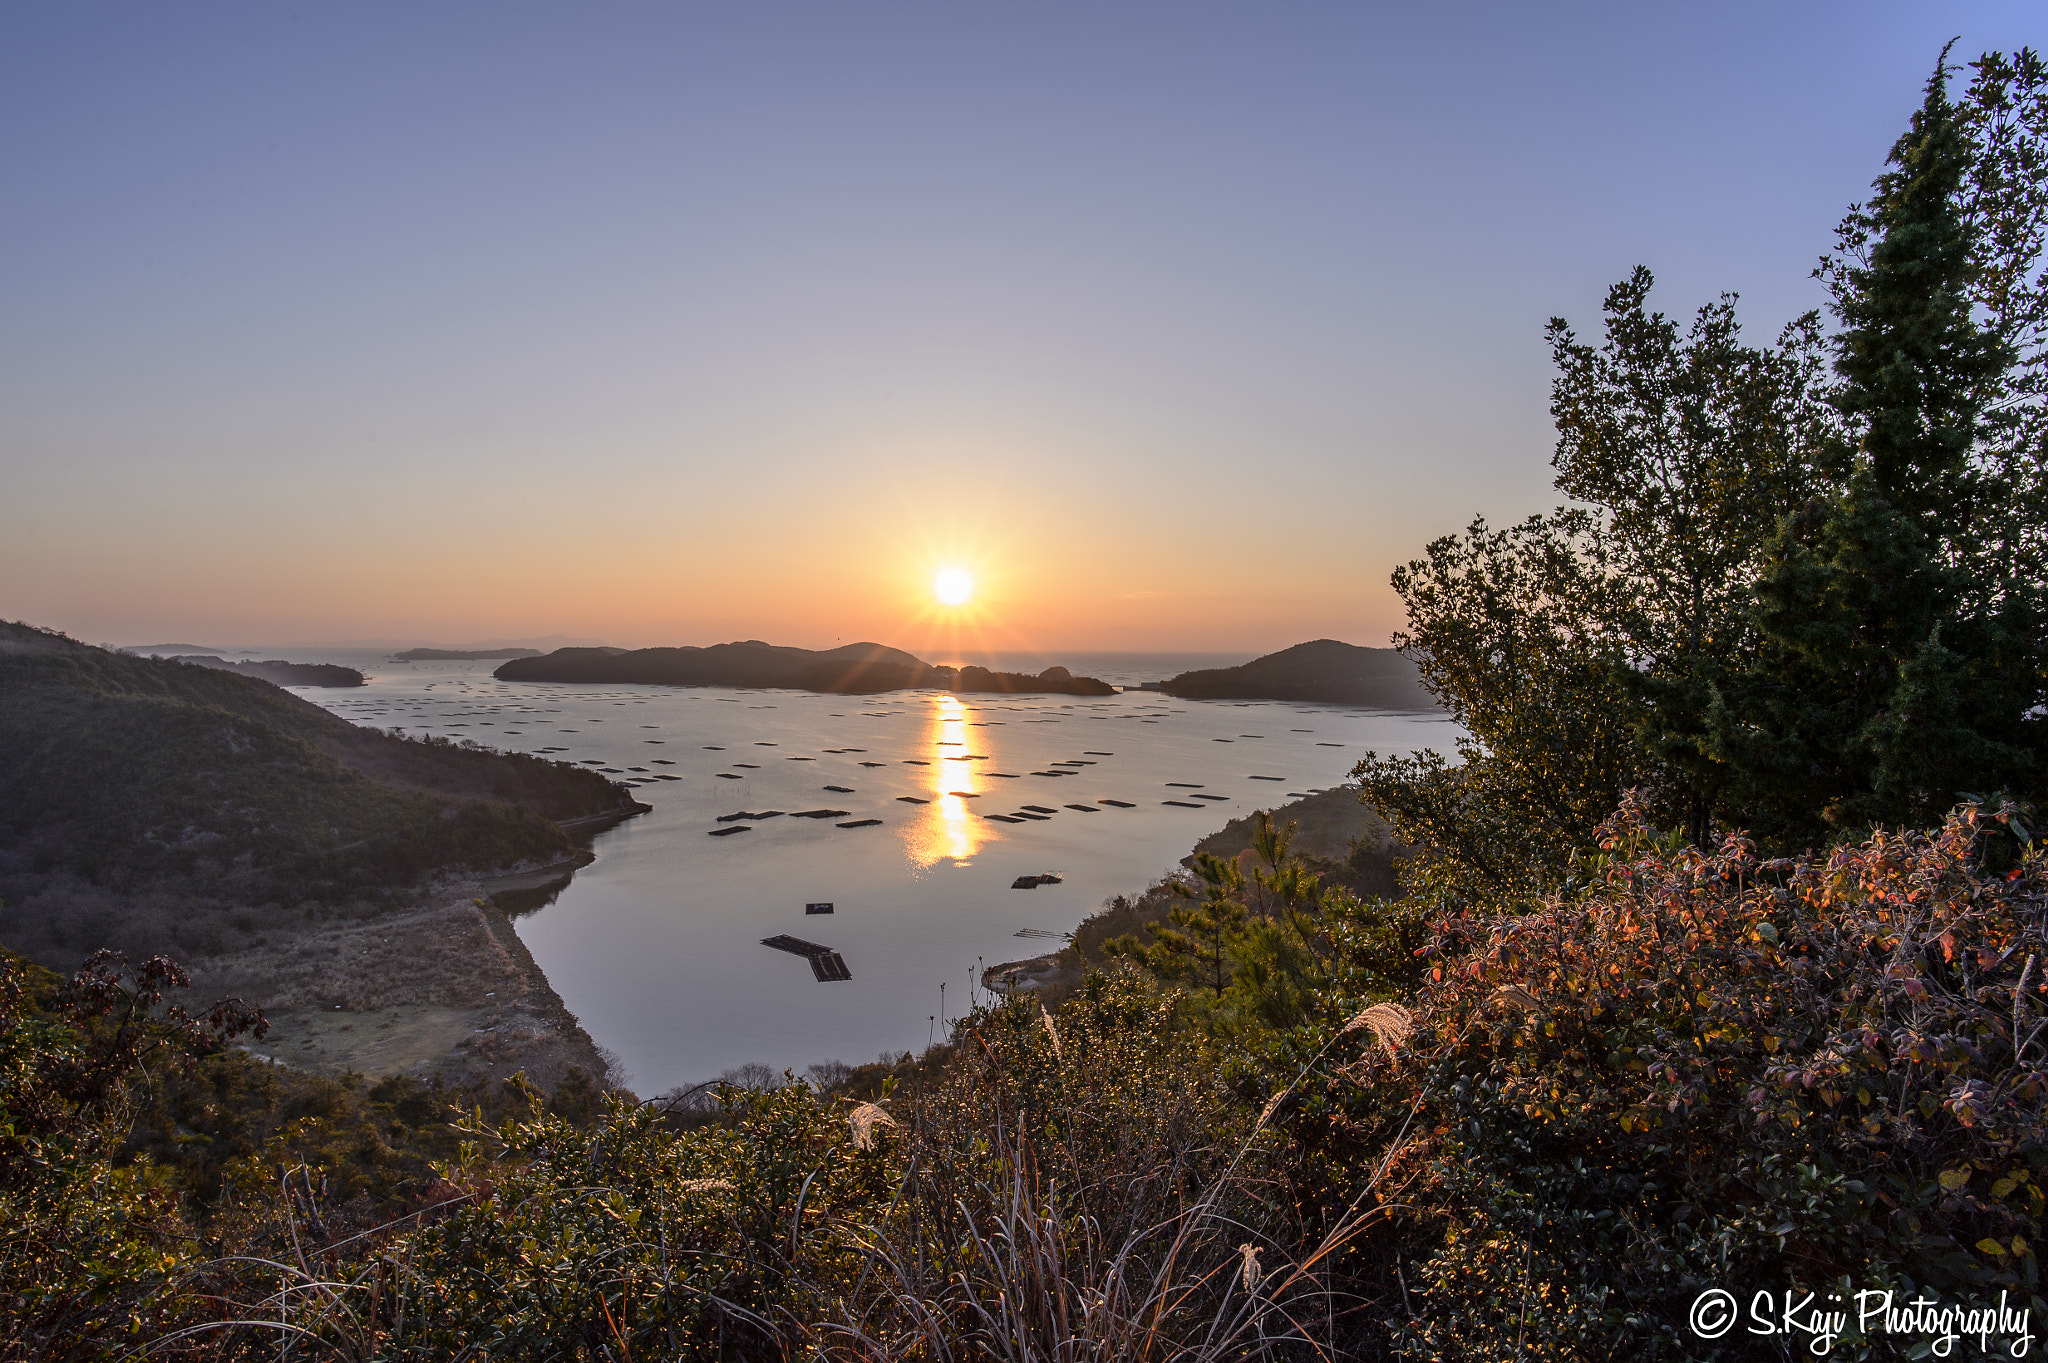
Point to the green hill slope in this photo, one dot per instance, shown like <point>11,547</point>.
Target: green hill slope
<point>135,774</point>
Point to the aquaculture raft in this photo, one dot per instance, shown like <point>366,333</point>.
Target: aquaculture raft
<point>826,963</point>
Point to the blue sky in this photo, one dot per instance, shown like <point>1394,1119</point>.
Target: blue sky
<point>1179,325</point>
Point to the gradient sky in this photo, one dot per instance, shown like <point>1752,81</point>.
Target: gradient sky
<point>1178,325</point>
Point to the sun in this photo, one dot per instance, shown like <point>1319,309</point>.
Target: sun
<point>953,587</point>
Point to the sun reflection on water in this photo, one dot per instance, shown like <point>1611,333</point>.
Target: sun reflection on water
<point>950,828</point>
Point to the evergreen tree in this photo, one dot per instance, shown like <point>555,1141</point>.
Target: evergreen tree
<point>1898,661</point>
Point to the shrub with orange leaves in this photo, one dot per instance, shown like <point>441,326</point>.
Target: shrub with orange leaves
<point>1711,1070</point>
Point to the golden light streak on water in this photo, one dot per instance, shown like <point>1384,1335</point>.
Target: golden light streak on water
<point>950,827</point>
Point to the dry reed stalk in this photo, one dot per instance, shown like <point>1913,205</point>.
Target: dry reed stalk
<point>1249,1271</point>
<point>1045,1016</point>
<point>1516,995</point>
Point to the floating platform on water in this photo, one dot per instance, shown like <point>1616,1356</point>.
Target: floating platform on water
<point>861,823</point>
<point>729,776</point>
<point>820,814</point>
<point>840,790</point>
<point>1185,785</point>
<point>1085,809</point>
<point>1034,818</point>
<point>1002,818</point>
<point>1120,804</point>
<point>826,964</point>
<point>909,799</point>
<point>748,814</point>
<point>1033,882</point>
<point>1210,797</point>
<point>728,832</point>
<point>963,795</point>
<point>1183,804</point>
<point>1089,752</point>
<point>1267,778</point>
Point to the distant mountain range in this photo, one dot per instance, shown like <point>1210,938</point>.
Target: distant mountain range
<point>1321,670</point>
<point>421,655</point>
<point>849,669</point>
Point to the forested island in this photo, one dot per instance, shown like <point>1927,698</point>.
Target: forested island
<point>1321,670</point>
<point>277,670</point>
<point>1713,965</point>
<point>852,669</point>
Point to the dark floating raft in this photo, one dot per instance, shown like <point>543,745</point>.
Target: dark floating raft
<point>819,814</point>
<point>1186,785</point>
<point>906,799</point>
<point>728,832</point>
<point>1041,809</point>
<point>1085,809</point>
<point>1033,882</point>
<point>840,790</point>
<point>1183,804</point>
<point>744,814</point>
<point>1268,778</point>
<point>861,823</point>
<point>730,776</point>
<point>1211,797</point>
<point>1120,804</point>
<point>826,963</point>
<point>1002,818</point>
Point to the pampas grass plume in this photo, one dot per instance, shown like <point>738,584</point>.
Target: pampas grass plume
<point>1389,1023</point>
<point>865,1122</point>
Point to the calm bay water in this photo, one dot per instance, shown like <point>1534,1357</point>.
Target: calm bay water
<point>656,947</point>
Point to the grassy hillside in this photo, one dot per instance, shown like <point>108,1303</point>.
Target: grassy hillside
<point>135,777</point>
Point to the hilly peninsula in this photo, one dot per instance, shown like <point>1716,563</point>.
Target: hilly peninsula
<point>1321,670</point>
<point>327,872</point>
<point>851,669</point>
<point>277,671</point>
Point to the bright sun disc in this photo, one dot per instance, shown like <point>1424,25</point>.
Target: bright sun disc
<point>953,587</point>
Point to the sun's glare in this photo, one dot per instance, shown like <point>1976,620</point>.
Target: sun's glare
<point>953,587</point>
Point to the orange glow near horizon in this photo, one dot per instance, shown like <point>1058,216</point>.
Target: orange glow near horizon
<point>949,828</point>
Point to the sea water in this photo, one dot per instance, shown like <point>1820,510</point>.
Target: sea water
<point>657,946</point>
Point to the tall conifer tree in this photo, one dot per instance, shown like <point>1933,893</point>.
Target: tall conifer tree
<point>1898,666</point>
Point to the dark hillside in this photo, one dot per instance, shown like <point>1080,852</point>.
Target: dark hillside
<point>278,671</point>
<point>851,669</point>
<point>1321,670</point>
<point>749,663</point>
<point>137,774</point>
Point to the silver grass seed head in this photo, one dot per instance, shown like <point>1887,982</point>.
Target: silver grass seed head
<point>1390,1024</point>
<point>866,1122</point>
